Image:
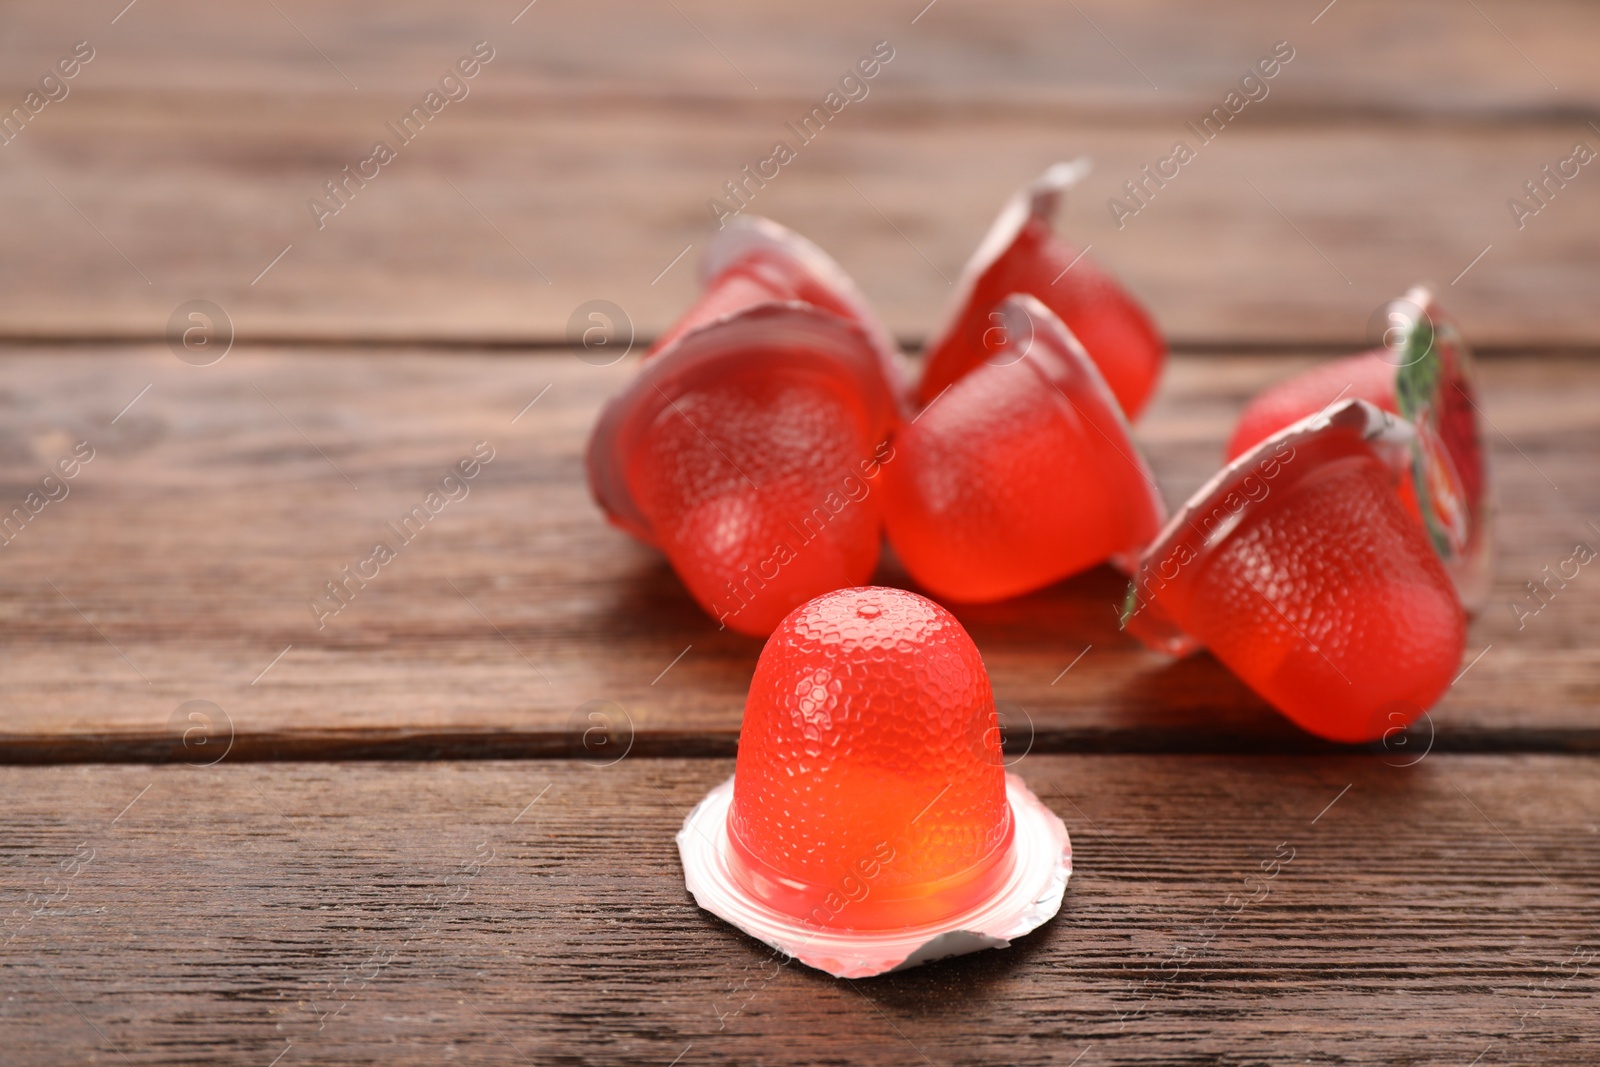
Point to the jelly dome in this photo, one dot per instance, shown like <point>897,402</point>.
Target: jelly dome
<point>870,791</point>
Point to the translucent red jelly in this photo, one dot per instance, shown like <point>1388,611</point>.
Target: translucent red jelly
<point>794,514</point>
<point>1305,575</point>
<point>757,276</point>
<point>747,446</point>
<point>1368,376</point>
<point>870,791</point>
<point>1022,254</point>
<point>1021,474</point>
<point>1426,378</point>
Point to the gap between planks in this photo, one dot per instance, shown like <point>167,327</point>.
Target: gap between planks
<point>411,745</point>
<point>912,346</point>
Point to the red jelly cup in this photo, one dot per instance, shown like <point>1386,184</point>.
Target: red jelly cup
<point>753,260</point>
<point>1423,373</point>
<point>1021,473</point>
<point>1301,570</point>
<point>870,824</point>
<point>1022,254</point>
<point>1368,376</point>
<point>747,452</point>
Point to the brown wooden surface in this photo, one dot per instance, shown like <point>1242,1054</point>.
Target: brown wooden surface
<point>1430,914</point>
<point>274,892</point>
<point>194,541</point>
<point>585,155</point>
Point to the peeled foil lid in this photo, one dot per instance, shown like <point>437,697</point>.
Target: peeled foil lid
<point>1029,898</point>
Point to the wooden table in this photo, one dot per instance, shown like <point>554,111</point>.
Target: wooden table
<point>233,835</point>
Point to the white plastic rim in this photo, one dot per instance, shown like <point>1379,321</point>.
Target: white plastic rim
<point>1029,898</point>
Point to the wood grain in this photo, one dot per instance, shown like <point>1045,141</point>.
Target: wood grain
<point>535,913</point>
<point>1430,58</point>
<point>184,560</point>
<point>1437,906</point>
<point>183,161</point>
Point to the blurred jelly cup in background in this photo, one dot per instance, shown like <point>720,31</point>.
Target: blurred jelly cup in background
<point>1423,372</point>
<point>747,446</point>
<point>1299,567</point>
<point>870,823</point>
<point>1020,474</point>
<point>753,260</point>
<point>750,444</point>
<point>1022,254</point>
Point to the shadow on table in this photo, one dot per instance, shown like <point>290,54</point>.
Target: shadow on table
<point>1058,659</point>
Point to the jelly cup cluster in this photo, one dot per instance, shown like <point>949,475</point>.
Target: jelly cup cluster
<point>771,442</point>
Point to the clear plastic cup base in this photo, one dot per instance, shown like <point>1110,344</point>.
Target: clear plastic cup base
<point>1030,897</point>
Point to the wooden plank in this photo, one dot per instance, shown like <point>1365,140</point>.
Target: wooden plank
<point>535,912</point>
<point>1429,59</point>
<point>182,564</point>
<point>183,162</point>
<point>1376,211</point>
